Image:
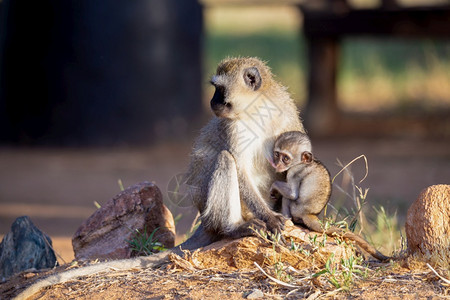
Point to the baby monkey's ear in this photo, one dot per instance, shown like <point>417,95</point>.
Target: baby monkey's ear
<point>307,157</point>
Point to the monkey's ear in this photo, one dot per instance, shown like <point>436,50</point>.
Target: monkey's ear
<point>307,157</point>
<point>252,78</point>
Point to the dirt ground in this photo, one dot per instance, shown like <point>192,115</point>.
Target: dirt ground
<point>228,271</point>
<point>57,188</point>
<point>167,283</point>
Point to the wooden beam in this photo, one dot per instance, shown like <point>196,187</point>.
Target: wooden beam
<point>250,2</point>
<point>427,22</point>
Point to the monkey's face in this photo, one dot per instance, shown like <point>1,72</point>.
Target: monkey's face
<point>282,161</point>
<point>291,148</point>
<point>235,88</point>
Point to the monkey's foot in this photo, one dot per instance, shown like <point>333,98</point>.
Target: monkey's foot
<point>248,229</point>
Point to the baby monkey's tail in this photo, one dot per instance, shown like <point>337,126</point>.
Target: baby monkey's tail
<point>312,222</point>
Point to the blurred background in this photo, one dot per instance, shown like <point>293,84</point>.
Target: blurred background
<point>96,93</point>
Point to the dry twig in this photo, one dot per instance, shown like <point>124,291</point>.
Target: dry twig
<point>274,279</point>
<point>437,274</point>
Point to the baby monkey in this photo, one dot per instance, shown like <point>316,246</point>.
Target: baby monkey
<point>308,185</point>
<point>307,188</point>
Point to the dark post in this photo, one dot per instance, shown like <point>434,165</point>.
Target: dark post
<point>322,109</point>
<point>83,72</point>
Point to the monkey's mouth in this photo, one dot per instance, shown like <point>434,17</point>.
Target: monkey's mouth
<point>221,110</point>
<point>219,106</point>
<point>280,169</point>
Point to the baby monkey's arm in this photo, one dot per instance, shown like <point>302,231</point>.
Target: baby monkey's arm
<point>288,190</point>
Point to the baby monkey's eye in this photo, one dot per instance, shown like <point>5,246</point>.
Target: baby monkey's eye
<point>276,154</point>
<point>286,159</point>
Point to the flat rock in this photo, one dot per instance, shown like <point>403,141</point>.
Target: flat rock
<point>25,247</point>
<point>106,233</point>
<point>229,255</point>
<point>255,294</point>
<point>428,221</point>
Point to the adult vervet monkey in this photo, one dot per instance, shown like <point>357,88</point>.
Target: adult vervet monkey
<point>229,172</point>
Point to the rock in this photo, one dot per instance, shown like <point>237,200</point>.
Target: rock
<point>229,255</point>
<point>428,221</point>
<point>104,235</point>
<point>25,247</point>
<point>255,294</point>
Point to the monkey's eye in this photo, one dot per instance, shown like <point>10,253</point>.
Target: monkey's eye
<point>286,159</point>
<point>276,154</point>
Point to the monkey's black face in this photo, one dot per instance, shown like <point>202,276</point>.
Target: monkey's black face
<point>219,106</point>
<point>234,94</point>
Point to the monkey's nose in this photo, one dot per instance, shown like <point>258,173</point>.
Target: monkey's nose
<point>272,163</point>
<point>279,169</point>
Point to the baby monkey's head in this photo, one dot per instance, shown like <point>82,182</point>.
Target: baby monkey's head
<point>291,148</point>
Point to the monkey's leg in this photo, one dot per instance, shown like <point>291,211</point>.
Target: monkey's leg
<point>285,207</point>
<point>255,202</point>
<point>312,222</point>
<point>223,212</point>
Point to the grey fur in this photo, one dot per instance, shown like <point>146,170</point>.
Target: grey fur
<point>230,181</point>
<point>307,188</point>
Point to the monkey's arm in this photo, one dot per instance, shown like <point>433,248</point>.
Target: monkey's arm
<point>287,190</point>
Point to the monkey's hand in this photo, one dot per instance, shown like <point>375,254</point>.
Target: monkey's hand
<point>275,223</point>
<point>256,225</point>
<point>275,191</point>
<point>275,194</point>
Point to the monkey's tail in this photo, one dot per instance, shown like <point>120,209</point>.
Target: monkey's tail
<point>312,222</point>
<point>365,245</point>
<point>200,238</point>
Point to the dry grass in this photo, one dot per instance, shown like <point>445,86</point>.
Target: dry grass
<point>421,80</point>
<point>309,265</point>
<point>405,279</point>
<point>244,20</point>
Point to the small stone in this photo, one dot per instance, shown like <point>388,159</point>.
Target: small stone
<point>428,221</point>
<point>106,233</point>
<point>255,294</point>
<point>25,247</point>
